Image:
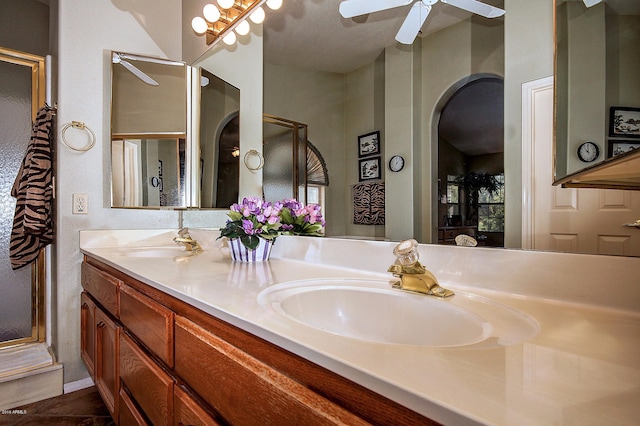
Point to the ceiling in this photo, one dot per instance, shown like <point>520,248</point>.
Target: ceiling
<point>311,34</point>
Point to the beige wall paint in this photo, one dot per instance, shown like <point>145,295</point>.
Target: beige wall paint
<point>318,100</point>
<point>528,57</point>
<point>364,113</point>
<point>87,32</point>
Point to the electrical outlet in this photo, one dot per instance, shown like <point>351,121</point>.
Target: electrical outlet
<point>80,203</point>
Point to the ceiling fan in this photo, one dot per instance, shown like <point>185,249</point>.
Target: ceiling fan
<point>121,58</point>
<point>417,14</point>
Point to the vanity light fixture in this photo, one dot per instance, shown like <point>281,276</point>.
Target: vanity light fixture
<point>219,22</point>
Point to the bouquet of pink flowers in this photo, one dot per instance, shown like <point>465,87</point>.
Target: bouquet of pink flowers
<point>298,219</point>
<point>255,218</point>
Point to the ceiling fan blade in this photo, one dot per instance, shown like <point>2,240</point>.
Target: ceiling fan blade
<point>141,75</point>
<point>590,3</point>
<point>413,23</point>
<point>477,7</point>
<point>351,8</point>
<point>149,59</point>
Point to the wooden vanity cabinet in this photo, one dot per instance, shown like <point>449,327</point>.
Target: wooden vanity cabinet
<point>178,365</point>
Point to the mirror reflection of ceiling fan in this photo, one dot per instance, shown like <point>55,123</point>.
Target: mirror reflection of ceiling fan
<point>417,14</point>
<point>124,58</point>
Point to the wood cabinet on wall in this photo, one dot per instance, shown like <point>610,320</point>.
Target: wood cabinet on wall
<point>161,361</point>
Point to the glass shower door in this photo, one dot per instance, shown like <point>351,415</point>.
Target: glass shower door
<point>20,316</point>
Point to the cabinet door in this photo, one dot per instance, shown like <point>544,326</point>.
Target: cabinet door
<point>149,385</point>
<point>87,333</point>
<point>243,389</point>
<point>187,412</point>
<point>106,360</point>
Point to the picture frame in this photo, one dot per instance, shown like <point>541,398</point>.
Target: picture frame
<point>369,144</point>
<point>618,146</point>
<point>624,122</point>
<point>369,168</point>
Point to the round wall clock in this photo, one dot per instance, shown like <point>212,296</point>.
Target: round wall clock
<point>396,163</point>
<point>588,152</point>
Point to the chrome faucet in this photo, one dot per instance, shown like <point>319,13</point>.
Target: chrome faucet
<point>185,240</point>
<point>413,276</point>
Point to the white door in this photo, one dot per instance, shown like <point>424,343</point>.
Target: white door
<point>568,219</point>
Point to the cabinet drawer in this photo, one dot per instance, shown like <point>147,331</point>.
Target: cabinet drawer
<point>149,321</point>
<point>244,390</point>
<point>148,384</point>
<point>102,286</point>
<point>129,414</point>
<point>188,412</point>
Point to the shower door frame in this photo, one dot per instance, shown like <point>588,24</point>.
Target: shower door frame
<point>38,275</point>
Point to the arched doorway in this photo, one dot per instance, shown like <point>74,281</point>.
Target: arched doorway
<point>228,170</point>
<point>471,162</point>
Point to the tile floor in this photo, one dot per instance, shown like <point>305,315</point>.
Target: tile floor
<point>83,407</point>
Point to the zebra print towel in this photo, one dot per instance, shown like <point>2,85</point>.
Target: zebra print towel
<point>33,191</point>
<point>368,203</point>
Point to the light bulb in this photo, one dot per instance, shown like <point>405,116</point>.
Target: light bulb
<point>199,25</point>
<point>274,4</point>
<point>257,16</point>
<point>211,13</point>
<point>225,4</point>
<point>243,28</point>
<point>230,38</point>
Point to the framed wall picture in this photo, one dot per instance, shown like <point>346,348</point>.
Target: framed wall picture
<point>624,122</point>
<point>617,147</point>
<point>369,144</point>
<point>369,168</point>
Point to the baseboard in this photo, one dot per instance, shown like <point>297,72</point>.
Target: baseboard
<point>78,385</point>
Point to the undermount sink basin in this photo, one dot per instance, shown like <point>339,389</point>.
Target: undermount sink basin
<point>160,251</point>
<point>372,311</point>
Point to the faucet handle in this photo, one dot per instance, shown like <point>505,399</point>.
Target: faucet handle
<point>407,252</point>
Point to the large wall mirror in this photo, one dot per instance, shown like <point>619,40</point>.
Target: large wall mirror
<point>597,85</point>
<point>174,135</point>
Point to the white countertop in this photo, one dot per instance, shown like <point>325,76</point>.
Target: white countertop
<point>582,367</point>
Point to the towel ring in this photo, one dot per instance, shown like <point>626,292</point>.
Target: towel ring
<point>257,154</point>
<point>79,125</point>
